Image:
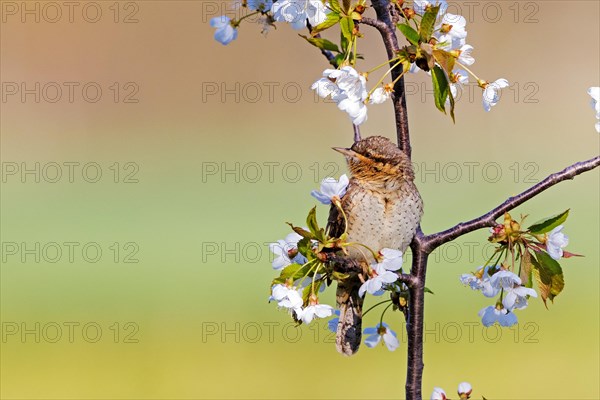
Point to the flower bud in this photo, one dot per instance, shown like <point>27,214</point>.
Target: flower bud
<point>409,12</point>
<point>445,28</point>
<point>438,394</point>
<point>464,390</point>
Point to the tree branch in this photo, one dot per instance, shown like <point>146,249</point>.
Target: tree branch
<point>383,9</point>
<point>422,245</point>
<point>430,242</point>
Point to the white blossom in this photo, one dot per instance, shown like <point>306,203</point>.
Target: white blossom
<point>315,310</point>
<point>330,189</point>
<point>438,394</point>
<point>260,5</point>
<point>420,6</point>
<point>462,78</point>
<point>287,297</point>
<point>481,281</point>
<point>392,259</point>
<point>347,88</point>
<point>225,32</point>
<point>505,280</point>
<point>490,93</point>
<point>381,332</point>
<point>296,12</point>
<point>492,314</point>
<point>382,273</point>
<point>465,56</point>
<point>286,251</point>
<point>379,96</point>
<point>456,35</point>
<point>556,242</point>
<point>464,390</point>
<point>516,297</point>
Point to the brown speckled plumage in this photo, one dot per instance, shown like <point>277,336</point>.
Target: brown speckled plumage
<point>383,208</point>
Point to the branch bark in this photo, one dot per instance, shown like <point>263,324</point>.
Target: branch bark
<point>385,25</point>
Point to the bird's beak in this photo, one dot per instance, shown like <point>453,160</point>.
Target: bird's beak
<point>344,151</point>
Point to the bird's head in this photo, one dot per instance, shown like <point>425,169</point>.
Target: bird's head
<point>376,159</point>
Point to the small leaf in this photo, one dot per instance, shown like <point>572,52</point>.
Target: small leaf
<point>321,43</point>
<point>411,35</point>
<point>441,89</point>
<point>347,27</point>
<point>549,276</point>
<point>334,5</point>
<point>346,4</point>
<point>546,225</point>
<point>548,262</point>
<point>567,254</point>
<point>344,42</point>
<point>289,271</point>
<point>526,269</point>
<point>301,231</point>
<point>428,23</point>
<point>305,248</point>
<point>331,19</point>
<point>339,276</point>
<point>427,290</point>
<point>313,226</point>
<point>445,59</point>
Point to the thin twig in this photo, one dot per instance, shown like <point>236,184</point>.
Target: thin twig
<point>430,242</point>
<point>357,136</point>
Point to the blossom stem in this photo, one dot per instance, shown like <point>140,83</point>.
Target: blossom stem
<point>235,24</point>
<point>375,305</point>
<point>338,205</point>
<point>468,70</point>
<point>389,71</point>
<point>383,313</point>
<point>388,62</point>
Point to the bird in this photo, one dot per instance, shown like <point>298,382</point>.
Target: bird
<point>383,209</point>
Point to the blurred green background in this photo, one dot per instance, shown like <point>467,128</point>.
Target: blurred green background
<point>222,146</point>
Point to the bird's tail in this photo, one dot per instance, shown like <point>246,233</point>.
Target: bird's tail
<point>349,329</point>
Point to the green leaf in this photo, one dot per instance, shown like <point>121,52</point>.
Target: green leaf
<point>346,4</point>
<point>288,272</point>
<point>321,43</point>
<point>526,268</point>
<point>332,19</point>
<point>445,59</point>
<point>347,27</point>
<point>334,5</point>
<point>549,276</point>
<point>427,290</point>
<point>428,23</point>
<point>305,248</point>
<point>411,35</point>
<point>344,42</point>
<point>441,88</point>
<point>313,226</point>
<point>546,225</point>
<point>301,231</point>
<point>339,276</point>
